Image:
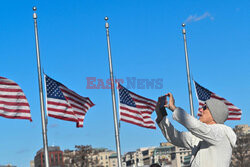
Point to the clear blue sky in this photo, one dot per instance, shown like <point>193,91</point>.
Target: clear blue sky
<point>146,43</point>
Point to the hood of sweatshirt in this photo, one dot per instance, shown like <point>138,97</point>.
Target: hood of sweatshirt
<point>230,135</point>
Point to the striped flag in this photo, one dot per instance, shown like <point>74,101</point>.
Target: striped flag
<point>65,104</point>
<point>136,109</point>
<point>13,103</point>
<point>204,94</point>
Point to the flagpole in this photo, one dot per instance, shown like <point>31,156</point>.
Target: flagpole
<point>188,72</point>
<point>117,138</point>
<point>44,128</point>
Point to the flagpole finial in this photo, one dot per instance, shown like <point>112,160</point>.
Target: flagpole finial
<point>34,8</point>
<point>106,24</point>
<point>34,14</point>
<point>183,30</point>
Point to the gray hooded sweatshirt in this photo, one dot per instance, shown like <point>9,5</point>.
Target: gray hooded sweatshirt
<point>211,145</point>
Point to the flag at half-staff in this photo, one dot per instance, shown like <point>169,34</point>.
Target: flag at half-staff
<point>136,109</point>
<point>13,103</point>
<point>204,94</point>
<point>65,104</point>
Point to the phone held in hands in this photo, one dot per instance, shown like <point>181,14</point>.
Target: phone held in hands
<point>160,109</point>
<point>162,101</point>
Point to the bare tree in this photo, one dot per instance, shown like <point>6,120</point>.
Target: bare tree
<point>241,153</point>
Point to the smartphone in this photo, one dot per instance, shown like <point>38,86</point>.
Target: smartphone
<point>162,101</point>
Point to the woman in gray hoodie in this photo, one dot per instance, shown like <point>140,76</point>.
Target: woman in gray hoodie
<point>209,139</point>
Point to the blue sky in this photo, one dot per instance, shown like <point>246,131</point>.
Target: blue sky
<point>146,42</point>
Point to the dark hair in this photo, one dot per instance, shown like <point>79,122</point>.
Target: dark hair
<point>155,165</point>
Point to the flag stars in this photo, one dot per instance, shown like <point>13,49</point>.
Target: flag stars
<point>53,89</point>
<point>125,98</point>
<point>202,93</point>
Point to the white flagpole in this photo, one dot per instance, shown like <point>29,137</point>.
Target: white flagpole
<point>188,72</point>
<point>117,137</point>
<point>44,127</point>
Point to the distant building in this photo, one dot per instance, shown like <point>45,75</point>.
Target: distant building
<point>129,159</point>
<point>103,158</point>
<point>182,153</point>
<point>166,155</point>
<point>186,162</point>
<point>67,157</point>
<point>113,160</point>
<point>55,157</point>
<point>165,144</point>
<point>147,156</point>
<point>141,157</point>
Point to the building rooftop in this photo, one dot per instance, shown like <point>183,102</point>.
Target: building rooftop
<point>114,155</point>
<point>50,148</point>
<point>164,150</point>
<point>131,152</point>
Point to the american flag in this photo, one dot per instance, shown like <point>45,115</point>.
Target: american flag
<point>65,104</point>
<point>13,103</point>
<point>136,109</point>
<point>204,94</point>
